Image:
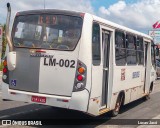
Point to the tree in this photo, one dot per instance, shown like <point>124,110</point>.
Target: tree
<point>4,41</point>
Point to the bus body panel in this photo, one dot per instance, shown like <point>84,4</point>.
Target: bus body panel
<point>85,46</point>
<point>26,75</point>
<point>79,101</point>
<point>59,79</point>
<point>31,73</point>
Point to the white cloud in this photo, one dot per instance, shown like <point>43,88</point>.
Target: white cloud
<point>117,8</point>
<point>21,5</point>
<point>140,15</point>
<point>103,10</point>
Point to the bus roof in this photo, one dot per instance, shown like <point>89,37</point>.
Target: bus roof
<point>52,11</point>
<point>96,18</point>
<point>120,27</point>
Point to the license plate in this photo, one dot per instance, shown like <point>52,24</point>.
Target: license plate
<point>38,99</point>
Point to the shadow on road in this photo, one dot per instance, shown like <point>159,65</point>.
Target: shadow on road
<point>132,105</point>
<point>58,116</point>
<point>14,112</point>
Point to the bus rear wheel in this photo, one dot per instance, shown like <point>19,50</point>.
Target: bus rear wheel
<point>147,97</point>
<point>118,105</point>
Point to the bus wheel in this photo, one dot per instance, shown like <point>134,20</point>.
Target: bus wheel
<point>118,105</point>
<point>147,97</point>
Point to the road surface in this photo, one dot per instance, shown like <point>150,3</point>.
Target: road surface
<point>139,109</point>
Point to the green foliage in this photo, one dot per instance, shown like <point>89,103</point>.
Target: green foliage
<point>4,42</point>
<point>1,66</point>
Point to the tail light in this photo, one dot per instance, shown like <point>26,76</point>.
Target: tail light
<point>80,78</point>
<point>5,76</point>
<point>5,70</point>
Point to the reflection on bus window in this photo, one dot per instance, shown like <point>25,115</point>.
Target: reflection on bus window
<point>131,49</point>
<point>120,48</point>
<point>58,32</point>
<point>140,51</point>
<point>96,57</point>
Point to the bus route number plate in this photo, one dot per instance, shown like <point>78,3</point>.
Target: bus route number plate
<point>38,99</point>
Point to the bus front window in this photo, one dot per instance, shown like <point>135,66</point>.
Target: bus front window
<point>58,32</point>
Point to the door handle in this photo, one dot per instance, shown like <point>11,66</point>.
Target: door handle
<point>106,69</point>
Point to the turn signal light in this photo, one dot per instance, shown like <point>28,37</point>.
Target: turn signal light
<point>79,77</point>
<point>4,63</point>
<point>81,70</point>
<point>5,70</point>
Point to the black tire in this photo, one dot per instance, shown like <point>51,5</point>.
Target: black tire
<point>156,76</point>
<point>147,97</point>
<point>118,105</point>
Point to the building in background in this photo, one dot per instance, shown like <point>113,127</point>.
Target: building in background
<point>155,32</point>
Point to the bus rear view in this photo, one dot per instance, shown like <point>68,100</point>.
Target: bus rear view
<point>46,61</point>
<point>76,61</point>
<point>44,65</point>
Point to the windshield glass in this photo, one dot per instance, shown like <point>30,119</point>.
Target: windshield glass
<point>59,32</point>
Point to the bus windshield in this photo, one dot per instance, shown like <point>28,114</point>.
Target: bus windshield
<point>46,31</point>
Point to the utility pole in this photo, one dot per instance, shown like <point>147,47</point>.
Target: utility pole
<point>1,36</point>
<point>44,4</point>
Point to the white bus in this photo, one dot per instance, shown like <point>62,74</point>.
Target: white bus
<point>76,61</point>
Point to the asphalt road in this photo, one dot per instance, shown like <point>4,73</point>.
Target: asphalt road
<point>139,109</point>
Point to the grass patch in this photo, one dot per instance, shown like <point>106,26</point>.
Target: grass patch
<point>1,66</point>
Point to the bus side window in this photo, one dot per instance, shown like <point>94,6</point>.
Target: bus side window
<point>120,48</point>
<point>140,51</point>
<point>96,56</point>
<point>153,55</point>
<point>131,50</point>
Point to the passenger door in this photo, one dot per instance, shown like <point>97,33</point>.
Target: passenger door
<point>105,47</point>
<point>147,67</point>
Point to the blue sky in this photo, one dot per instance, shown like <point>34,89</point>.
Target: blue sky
<point>98,3</point>
<point>136,14</point>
